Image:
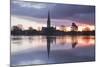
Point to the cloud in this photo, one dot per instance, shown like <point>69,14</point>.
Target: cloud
<point>29,4</point>
<point>80,13</point>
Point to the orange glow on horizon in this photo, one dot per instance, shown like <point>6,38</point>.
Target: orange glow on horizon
<point>15,20</point>
<point>80,28</point>
<point>38,26</point>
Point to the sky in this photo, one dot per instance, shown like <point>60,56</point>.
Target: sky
<point>35,14</point>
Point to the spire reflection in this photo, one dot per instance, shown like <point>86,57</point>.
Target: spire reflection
<point>48,45</point>
<point>50,40</point>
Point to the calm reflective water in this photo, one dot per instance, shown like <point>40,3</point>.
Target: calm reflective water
<point>27,50</point>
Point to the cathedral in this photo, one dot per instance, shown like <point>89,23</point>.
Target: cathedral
<point>49,30</point>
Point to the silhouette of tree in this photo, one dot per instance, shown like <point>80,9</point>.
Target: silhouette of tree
<point>63,28</point>
<point>39,29</point>
<point>20,26</point>
<point>30,31</point>
<point>30,28</point>
<point>16,30</point>
<point>86,29</point>
<point>74,27</point>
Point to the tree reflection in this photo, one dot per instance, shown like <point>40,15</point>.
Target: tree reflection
<point>30,38</point>
<point>16,40</point>
<point>74,41</point>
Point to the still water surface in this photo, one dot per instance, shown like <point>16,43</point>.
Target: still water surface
<point>27,50</point>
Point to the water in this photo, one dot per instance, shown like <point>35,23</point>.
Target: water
<point>26,50</point>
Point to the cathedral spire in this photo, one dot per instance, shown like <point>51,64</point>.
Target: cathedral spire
<point>48,20</point>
